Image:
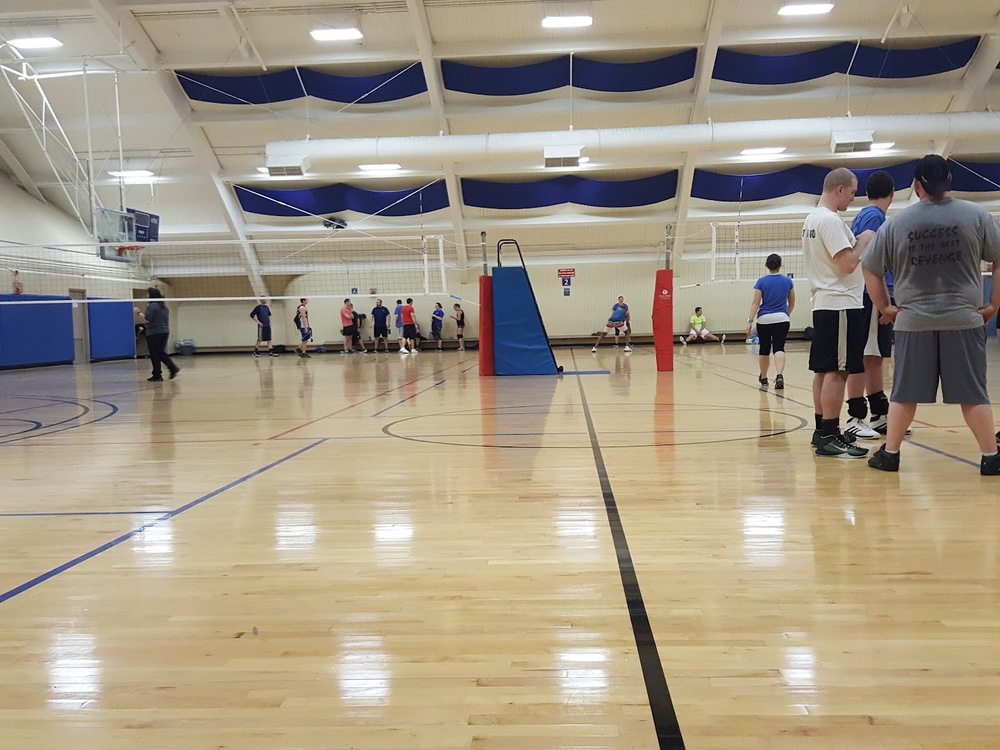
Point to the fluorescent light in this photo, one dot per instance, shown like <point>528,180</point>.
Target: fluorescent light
<point>765,151</point>
<point>882,146</point>
<point>584,159</point>
<point>567,22</point>
<point>131,173</point>
<point>263,170</point>
<point>36,42</point>
<point>805,9</point>
<point>379,167</point>
<point>336,35</point>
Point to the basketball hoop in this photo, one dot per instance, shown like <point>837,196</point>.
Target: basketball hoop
<point>130,253</point>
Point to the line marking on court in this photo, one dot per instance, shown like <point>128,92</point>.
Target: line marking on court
<point>404,400</point>
<point>55,514</point>
<point>364,401</point>
<point>169,515</point>
<point>668,730</point>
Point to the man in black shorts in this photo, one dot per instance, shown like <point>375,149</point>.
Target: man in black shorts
<point>832,258</point>
<point>261,315</point>
<point>934,249</point>
<point>380,321</point>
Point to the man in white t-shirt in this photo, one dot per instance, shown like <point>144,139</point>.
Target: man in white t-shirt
<point>832,258</point>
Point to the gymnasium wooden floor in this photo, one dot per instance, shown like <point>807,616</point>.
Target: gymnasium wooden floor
<point>387,553</point>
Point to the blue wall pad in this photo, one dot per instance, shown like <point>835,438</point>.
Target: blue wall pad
<point>112,330</point>
<point>520,344</point>
<point>35,334</point>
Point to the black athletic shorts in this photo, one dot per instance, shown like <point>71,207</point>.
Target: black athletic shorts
<point>351,331</point>
<point>263,333</point>
<point>381,331</point>
<point>838,341</point>
<point>409,332</point>
<point>436,334</point>
<point>878,336</point>
<point>772,336</point>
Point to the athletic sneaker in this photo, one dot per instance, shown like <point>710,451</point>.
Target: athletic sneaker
<point>834,447</point>
<point>859,428</point>
<point>272,354</point>
<point>628,348</point>
<point>884,461</point>
<point>779,382</point>
<point>684,342</point>
<point>723,341</point>
<point>403,350</point>
<point>817,439</point>
<point>762,380</point>
<point>594,350</point>
<point>256,354</point>
<point>305,355</point>
<point>989,466</point>
<point>881,425</point>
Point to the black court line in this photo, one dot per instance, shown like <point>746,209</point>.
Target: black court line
<point>164,516</point>
<point>404,400</point>
<point>668,729</point>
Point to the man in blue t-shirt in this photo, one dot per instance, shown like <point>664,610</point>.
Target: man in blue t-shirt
<point>380,323</point>
<point>398,321</point>
<point>880,190</point>
<point>620,319</point>
<point>261,315</point>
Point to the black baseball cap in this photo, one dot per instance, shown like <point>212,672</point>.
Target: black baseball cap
<point>934,174</point>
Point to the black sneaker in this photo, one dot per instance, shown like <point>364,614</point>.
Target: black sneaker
<point>884,461</point>
<point>155,379</point>
<point>762,380</point>
<point>256,354</point>
<point>272,354</point>
<point>990,465</point>
<point>779,382</point>
<point>817,439</point>
<point>834,447</point>
<point>173,373</point>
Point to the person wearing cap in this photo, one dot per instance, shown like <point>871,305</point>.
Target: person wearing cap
<point>934,250</point>
<point>832,258</point>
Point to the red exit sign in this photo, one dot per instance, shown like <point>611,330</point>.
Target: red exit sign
<point>564,273</point>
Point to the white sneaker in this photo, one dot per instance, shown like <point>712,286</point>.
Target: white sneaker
<point>881,425</point>
<point>684,341</point>
<point>594,350</point>
<point>723,339</point>
<point>628,348</point>
<point>403,350</point>
<point>860,429</point>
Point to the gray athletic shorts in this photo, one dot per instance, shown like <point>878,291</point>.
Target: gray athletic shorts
<point>956,358</point>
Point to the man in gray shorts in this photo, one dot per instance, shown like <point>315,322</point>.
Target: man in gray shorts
<point>934,249</point>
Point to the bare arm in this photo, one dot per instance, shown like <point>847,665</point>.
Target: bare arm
<point>848,259</point>
<point>791,301</point>
<point>988,311</point>
<point>879,293</point>
<point>754,307</point>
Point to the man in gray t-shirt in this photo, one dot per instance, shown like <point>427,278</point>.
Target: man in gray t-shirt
<point>935,249</point>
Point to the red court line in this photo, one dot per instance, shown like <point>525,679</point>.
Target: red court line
<point>365,401</point>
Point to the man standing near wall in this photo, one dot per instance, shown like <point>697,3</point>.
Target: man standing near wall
<point>262,316</point>
<point>347,326</point>
<point>409,316</point>
<point>302,323</point>
<point>934,249</point>
<point>832,258</point>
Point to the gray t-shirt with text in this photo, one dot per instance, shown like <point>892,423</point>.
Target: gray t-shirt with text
<point>934,250</point>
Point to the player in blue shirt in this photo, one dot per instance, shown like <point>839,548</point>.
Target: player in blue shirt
<point>380,324</point>
<point>620,319</point>
<point>880,190</point>
<point>398,320</point>
<point>437,323</point>
<point>773,302</point>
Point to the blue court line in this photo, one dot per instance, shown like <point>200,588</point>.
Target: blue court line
<point>586,372</point>
<point>83,513</point>
<point>403,401</point>
<point>28,585</point>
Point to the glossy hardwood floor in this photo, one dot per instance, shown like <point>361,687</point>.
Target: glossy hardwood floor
<point>391,552</point>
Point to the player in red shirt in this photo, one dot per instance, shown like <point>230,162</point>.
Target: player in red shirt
<point>409,316</point>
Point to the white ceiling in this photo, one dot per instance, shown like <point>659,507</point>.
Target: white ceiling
<point>199,150</point>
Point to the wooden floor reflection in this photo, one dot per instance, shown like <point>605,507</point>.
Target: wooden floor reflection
<point>392,552</point>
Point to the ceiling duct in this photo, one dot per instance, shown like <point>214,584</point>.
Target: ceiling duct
<point>287,167</point>
<point>562,156</point>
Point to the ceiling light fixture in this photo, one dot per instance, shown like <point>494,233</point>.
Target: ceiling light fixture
<point>263,170</point>
<point>567,22</point>
<point>764,151</point>
<point>36,42</point>
<point>584,159</point>
<point>883,146</point>
<point>805,9</point>
<point>125,173</point>
<point>379,167</point>
<point>336,35</point>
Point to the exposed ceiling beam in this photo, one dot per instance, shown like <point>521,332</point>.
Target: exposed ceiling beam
<point>717,13</point>
<point>23,178</point>
<point>142,50</point>
<point>435,89</point>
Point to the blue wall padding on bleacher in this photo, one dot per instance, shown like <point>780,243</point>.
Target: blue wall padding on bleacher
<point>35,334</point>
<point>520,344</point>
<point>112,330</point>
